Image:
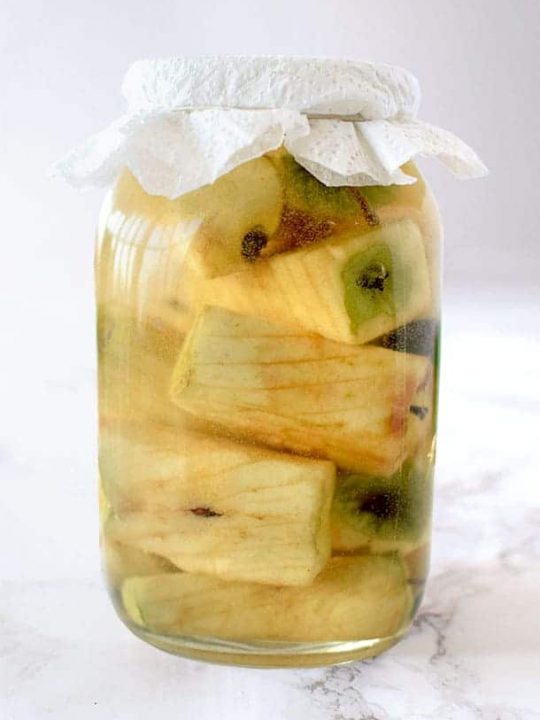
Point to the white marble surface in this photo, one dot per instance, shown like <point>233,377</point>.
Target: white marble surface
<point>474,651</point>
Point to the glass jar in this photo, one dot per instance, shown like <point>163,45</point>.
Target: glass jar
<point>268,360</point>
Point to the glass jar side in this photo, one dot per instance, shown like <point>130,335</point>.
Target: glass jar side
<point>268,361</point>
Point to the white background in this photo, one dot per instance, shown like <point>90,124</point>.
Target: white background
<point>62,62</point>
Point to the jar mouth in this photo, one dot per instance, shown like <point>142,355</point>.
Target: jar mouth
<point>356,117</point>
<point>335,116</point>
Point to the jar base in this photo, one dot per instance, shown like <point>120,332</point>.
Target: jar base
<point>268,655</point>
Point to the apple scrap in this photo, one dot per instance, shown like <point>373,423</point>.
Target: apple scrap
<point>303,393</point>
<point>350,289</point>
<point>216,506</point>
<point>353,598</point>
<point>379,515</point>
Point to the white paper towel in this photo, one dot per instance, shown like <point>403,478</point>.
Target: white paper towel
<point>190,120</point>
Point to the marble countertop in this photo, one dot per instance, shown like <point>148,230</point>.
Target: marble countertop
<point>474,650</point>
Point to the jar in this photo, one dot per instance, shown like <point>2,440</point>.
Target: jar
<point>268,350</point>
